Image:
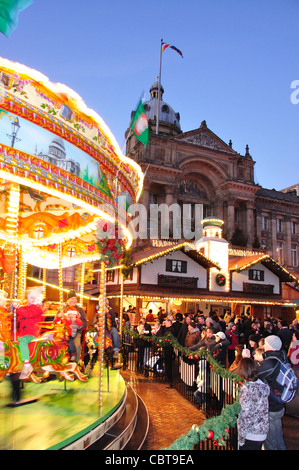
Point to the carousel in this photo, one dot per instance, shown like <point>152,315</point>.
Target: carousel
<point>65,187</point>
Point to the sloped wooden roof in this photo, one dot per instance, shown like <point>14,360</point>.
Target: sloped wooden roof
<point>246,262</point>
<point>151,253</point>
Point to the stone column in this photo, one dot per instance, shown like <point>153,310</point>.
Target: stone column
<point>273,236</point>
<point>250,226</point>
<point>230,228</point>
<point>258,222</point>
<point>288,241</point>
<point>169,200</point>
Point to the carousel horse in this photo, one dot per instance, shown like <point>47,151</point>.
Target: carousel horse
<point>48,353</point>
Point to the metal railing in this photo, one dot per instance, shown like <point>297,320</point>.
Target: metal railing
<point>194,379</point>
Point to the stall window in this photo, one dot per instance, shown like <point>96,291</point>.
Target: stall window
<point>256,275</point>
<point>176,266</point>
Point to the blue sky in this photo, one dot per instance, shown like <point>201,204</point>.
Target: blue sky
<point>240,58</point>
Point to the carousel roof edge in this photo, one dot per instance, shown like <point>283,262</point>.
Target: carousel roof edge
<point>18,81</point>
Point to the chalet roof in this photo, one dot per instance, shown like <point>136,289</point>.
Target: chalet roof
<point>149,254</point>
<point>246,262</point>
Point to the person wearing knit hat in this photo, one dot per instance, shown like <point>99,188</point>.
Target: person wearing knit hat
<point>272,343</point>
<point>71,293</point>
<point>268,371</point>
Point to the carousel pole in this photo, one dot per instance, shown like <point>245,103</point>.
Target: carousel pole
<point>101,328</point>
<point>22,276</point>
<point>82,282</point>
<point>121,304</point>
<point>11,248</point>
<point>60,275</point>
<point>20,284</point>
<point>44,283</point>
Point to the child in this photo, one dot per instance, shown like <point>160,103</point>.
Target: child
<point>200,393</point>
<point>253,420</point>
<point>28,318</point>
<point>258,355</point>
<point>71,318</point>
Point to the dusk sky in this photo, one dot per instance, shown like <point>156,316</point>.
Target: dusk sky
<point>240,61</point>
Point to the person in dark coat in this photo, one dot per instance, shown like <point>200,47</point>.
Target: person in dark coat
<point>177,324</point>
<point>286,335</point>
<point>168,351</point>
<point>268,371</point>
<point>184,330</point>
<point>220,348</point>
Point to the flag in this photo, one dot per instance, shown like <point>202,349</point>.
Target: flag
<point>9,12</point>
<point>164,46</point>
<point>139,124</point>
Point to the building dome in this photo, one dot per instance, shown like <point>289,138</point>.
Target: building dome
<point>57,147</point>
<point>166,113</point>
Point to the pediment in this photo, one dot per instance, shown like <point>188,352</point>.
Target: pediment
<point>205,138</point>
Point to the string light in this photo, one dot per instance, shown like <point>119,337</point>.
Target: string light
<point>203,299</point>
<point>171,249</point>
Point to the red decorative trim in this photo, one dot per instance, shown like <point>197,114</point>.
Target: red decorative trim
<point>44,120</point>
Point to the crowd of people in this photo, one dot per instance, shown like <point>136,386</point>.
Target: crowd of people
<point>248,346</point>
<point>251,347</point>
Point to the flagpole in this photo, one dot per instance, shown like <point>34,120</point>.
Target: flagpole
<point>159,86</point>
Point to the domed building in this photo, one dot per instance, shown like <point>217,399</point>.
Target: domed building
<point>197,167</point>
<point>169,120</point>
<point>256,243</point>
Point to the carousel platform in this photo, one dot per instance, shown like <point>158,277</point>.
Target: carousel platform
<point>67,415</point>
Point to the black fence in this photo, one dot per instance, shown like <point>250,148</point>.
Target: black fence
<point>193,378</point>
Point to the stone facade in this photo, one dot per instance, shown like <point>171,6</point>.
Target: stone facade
<point>197,167</point>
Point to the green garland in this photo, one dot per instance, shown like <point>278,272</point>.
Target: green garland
<point>216,428</point>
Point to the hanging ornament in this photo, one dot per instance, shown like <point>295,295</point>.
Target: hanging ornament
<point>220,280</point>
<point>110,246</point>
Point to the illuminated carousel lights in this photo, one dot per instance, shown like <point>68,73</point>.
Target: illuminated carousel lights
<point>73,200</point>
<point>70,235</point>
<point>51,181</point>
<point>38,81</point>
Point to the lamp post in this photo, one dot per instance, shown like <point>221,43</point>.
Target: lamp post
<point>15,129</point>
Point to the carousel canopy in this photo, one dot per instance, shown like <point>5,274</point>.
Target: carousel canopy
<point>62,173</point>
